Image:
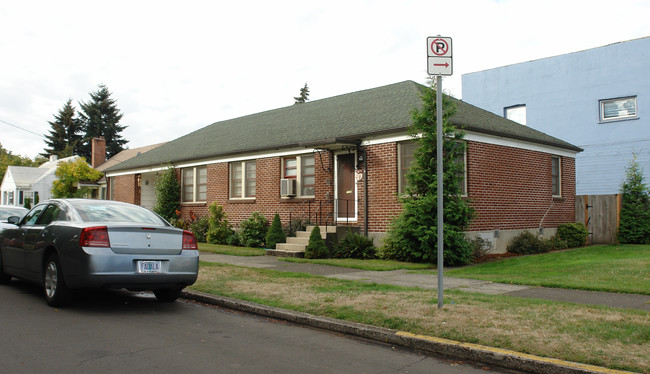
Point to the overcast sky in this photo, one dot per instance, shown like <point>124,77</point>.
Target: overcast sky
<point>174,66</point>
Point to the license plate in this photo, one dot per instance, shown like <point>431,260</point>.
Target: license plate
<point>149,266</point>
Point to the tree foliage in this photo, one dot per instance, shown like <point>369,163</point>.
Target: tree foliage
<point>9,159</point>
<point>275,234</point>
<point>413,234</point>
<point>168,194</point>
<point>69,174</point>
<point>63,139</point>
<point>101,117</point>
<point>304,95</point>
<point>219,230</point>
<point>635,207</point>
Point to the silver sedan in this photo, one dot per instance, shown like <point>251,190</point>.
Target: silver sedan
<point>68,244</point>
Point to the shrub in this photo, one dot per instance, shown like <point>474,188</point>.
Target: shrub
<point>556,243</point>
<point>28,203</point>
<point>200,229</point>
<point>168,194</point>
<point>219,230</point>
<point>275,234</point>
<point>252,232</point>
<point>296,224</point>
<point>355,245</point>
<point>316,247</point>
<point>527,243</point>
<point>574,234</point>
<point>480,247</point>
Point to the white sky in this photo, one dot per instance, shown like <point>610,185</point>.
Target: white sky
<point>174,66</point>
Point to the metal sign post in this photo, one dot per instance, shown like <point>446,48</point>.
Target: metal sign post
<point>439,63</point>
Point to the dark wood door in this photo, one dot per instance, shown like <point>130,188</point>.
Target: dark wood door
<point>345,186</point>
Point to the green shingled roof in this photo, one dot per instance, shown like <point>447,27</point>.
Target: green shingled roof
<point>385,109</point>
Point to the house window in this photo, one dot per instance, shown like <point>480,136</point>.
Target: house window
<point>556,176</point>
<point>21,197</point>
<point>302,169</point>
<point>618,109</point>
<point>242,180</point>
<point>407,156</point>
<point>195,184</point>
<point>516,113</point>
<point>10,199</point>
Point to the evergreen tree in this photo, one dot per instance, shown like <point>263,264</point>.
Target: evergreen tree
<point>413,235</point>
<point>101,117</point>
<point>316,247</point>
<point>275,234</point>
<point>635,207</point>
<point>64,138</point>
<point>304,95</point>
<point>168,194</point>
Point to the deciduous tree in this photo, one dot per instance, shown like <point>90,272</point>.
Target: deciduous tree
<point>69,174</point>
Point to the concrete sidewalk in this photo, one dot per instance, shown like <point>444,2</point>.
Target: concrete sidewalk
<point>408,278</point>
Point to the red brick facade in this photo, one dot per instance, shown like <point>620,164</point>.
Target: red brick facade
<point>509,188</point>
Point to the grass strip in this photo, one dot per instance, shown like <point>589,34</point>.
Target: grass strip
<point>374,265</point>
<point>231,250</point>
<point>611,268</point>
<point>609,337</point>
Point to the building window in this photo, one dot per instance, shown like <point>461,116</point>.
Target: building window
<point>407,156</point>
<point>516,113</point>
<point>242,180</point>
<point>194,184</point>
<point>618,109</point>
<point>301,168</point>
<point>556,176</point>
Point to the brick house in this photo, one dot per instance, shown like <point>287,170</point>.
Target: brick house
<point>341,161</point>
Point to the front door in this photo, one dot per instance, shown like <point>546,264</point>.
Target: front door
<point>345,187</point>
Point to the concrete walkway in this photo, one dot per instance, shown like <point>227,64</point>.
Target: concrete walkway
<point>408,278</point>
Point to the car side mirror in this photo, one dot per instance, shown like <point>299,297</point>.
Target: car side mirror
<point>13,219</point>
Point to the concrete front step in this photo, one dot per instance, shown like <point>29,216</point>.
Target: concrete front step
<point>297,244</point>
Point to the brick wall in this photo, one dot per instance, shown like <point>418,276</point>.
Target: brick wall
<point>125,188</point>
<point>509,188</point>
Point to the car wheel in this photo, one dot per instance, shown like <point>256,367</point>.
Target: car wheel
<point>4,277</point>
<point>55,290</point>
<point>168,295</point>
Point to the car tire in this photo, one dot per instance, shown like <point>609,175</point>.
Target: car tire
<point>55,290</point>
<point>4,277</point>
<point>168,295</point>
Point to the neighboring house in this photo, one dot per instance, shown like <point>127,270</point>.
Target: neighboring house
<point>595,98</point>
<point>35,183</point>
<point>99,162</point>
<point>342,161</point>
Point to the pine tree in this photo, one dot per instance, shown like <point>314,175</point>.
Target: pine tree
<point>413,235</point>
<point>304,95</point>
<point>101,117</point>
<point>635,207</point>
<point>64,138</point>
<point>275,234</point>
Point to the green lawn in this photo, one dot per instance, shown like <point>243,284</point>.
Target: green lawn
<point>375,265</point>
<point>231,250</point>
<point>613,268</point>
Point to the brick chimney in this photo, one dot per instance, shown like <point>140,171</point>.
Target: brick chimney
<point>98,151</point>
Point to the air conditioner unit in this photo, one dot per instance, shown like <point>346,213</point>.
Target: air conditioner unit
<point>288,187</point>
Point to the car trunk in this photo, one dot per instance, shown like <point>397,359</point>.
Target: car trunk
<point>145,240</point>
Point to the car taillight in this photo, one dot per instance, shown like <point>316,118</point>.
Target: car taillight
<point>189,241</point>
<point>94,237</point>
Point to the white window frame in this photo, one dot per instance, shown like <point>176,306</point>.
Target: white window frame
<point>620,101</point>
<point>299,174</point>
<point>556,178</point>
<point>195,185</point>
<point>514,113</point>
<point>401,174</point>
<point>244,193</point>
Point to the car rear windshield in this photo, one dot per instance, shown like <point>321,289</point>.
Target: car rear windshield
<point>102,211</point>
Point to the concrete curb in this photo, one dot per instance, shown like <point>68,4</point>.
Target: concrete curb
<point>468,351</point>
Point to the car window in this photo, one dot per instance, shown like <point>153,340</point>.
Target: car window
<point>104,211</point>
<point>32,216</point>
<point>52,213</point>
<point>6,212</point>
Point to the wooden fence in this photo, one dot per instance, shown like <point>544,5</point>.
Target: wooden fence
<point>601,214</point>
